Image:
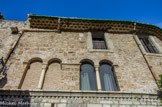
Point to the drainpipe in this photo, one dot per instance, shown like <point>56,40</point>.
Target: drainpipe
<point>13,48</point>
<point>3,73</point>
<point>20,35</point>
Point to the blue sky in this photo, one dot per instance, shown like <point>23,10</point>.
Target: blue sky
<point>145,11</point>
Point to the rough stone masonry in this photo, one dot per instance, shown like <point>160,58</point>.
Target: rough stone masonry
<point>43,64</point>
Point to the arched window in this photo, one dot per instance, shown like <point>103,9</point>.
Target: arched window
<point>87,77</point>
<point>108,82</point>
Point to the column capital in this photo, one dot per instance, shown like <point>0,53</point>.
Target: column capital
<point>44,65</point>
<point>96,66</point>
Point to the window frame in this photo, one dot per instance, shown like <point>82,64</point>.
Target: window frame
<point>148,45</point>
<point>107,40</point>
<point>98,40</point>
<point>86,62</point>
<point>151,38</point>
<point>113,74</point>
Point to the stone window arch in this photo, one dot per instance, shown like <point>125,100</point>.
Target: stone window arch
<point>107,76</point>
<point>87,76</point>
<point>32,74</point>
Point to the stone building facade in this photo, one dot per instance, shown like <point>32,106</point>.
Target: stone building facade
<point>44,58</point>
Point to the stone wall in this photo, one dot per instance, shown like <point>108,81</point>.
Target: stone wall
<point>7,39</point>
<point>59,57</point>
<point>155,61</point>
<point>133,74</point>
<point>37,98</point>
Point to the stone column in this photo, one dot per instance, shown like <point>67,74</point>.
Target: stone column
<point>44,66</point>
<point>98,78</point>
<point>25,67</point>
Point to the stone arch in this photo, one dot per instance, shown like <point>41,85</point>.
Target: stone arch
<point>106,61</point>
<point>87,60</point>
<point>32,72</point>
<point>35,59</point>
<point>54,60</point>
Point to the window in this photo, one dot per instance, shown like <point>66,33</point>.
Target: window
<point>108,82</point>
<point>98,40</point>
<point>87,77</point>
<point>148,44</point>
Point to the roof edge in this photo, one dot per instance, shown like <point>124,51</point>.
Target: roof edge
<point>84,19</point>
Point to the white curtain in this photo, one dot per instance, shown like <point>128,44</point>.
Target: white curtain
<point>109,82</point>
<point>107,78</point>
<point>85,84</point>
<point>87,77</point>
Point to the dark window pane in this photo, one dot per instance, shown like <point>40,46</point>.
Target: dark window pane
<point>107,78</point>
<point>87,77</point>
<point>148,45</point>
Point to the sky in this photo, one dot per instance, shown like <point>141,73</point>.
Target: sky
<point>144,11</point>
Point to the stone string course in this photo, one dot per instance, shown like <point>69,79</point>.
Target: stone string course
<point>37,98</point>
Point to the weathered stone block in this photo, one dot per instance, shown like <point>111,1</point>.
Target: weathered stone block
<point>61,105</point>
<point>125,102</point>
<point>106,102</point>
<point>94,105</point>
<point>104,105</point>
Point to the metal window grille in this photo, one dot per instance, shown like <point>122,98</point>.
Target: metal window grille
<point>99,44</point>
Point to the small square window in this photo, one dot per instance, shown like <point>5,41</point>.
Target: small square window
<point>148,44</point>
<point>98,40</point>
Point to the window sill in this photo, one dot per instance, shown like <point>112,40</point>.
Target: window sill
<point>101,50</point>
<point>153,54</point>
